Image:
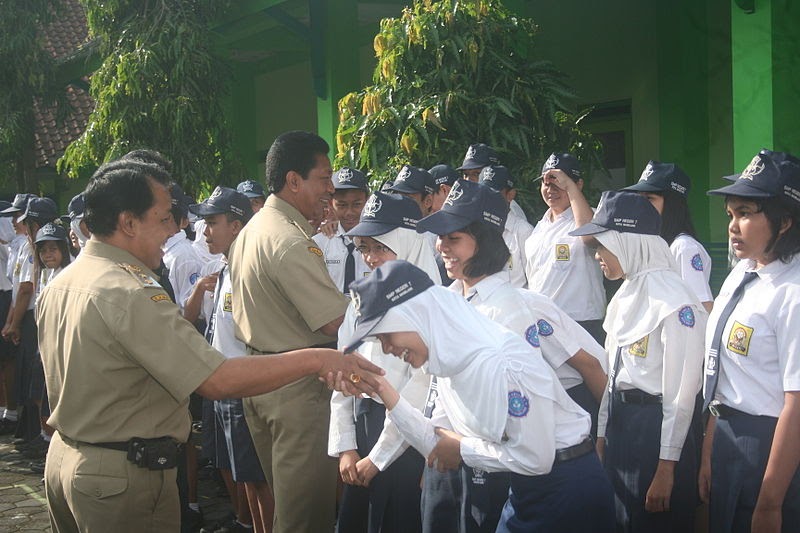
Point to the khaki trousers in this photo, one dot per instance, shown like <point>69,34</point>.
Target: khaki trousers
<point>91,489</point>
<point>289,427</point>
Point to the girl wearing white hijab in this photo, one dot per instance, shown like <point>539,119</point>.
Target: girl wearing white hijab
<point>381,473</point>
<point>499,407</point>
<point>470,226</point>
<point>654,327</point>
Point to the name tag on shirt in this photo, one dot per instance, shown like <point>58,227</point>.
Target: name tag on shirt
<point>562,252</point>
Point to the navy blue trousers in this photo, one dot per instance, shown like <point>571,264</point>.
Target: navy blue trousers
<point>633,443</point>
<point>575,496</point>
<point>738,461</point>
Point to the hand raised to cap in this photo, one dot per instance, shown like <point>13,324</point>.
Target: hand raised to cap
<point>559,178</point>
<point>349,373</point>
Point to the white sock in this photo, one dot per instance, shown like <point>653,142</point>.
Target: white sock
<point>10,415</point>
<point>246,526</point>
<point>194,507</point>
<point>45,436</point>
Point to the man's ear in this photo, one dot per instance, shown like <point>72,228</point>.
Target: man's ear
<point>293,179</point>
<point>127,223</point>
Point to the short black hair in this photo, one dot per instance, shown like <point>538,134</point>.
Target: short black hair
<point>782,246</point>
<point>491,255</point>
<point>293,150</point>
<point>676,218</point>
<point>151,157</point>
<point>119,186</point>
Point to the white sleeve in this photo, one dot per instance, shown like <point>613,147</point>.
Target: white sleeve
<point>681,379</point>
<point>390,444</point>
<point>788,341</point>
<point>183,278</point>
<point>26,269</point>
<point>530,448</point>
<point>342,428</point>
<point>417,430</point>
<point>694,264</point>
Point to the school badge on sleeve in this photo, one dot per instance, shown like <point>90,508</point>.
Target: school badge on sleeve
<point>697,262</point>
<point>562,252</point>
<point>686,316</point>
<point>532,336</point>
<point>545,329</point>
<point>518,405</point>
<point>739,338</point>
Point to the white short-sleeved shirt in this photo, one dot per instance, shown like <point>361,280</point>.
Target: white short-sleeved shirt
<point>559,337</point>
<point>224,338</point>
<point>13,254</point>
<point>23,272</point>
<point>212,267</point>
<point>515,233</point>
<point>667,362</point>
<point>563,269</point>
<point>184,266</point>
<point>694,264</point>
<point>760,352</point>
<point>334,250</point>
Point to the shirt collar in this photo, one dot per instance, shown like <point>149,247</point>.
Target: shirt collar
<point>485,287</point>
<point>774,269</point>
<point>290,212</point>
<point>564,215</point>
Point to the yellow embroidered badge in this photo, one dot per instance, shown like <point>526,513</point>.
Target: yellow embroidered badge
<point>739,338</point>
<point>227,303</point>
<point>639,348</point>
<point>160,298</point>
<point>562,252</point>
<point>314,250</point>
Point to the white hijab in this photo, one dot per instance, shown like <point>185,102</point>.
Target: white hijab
<point>412,247</point>
<point>652,290</point>
<point>473,357</point>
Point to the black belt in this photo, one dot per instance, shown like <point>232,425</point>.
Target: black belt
<point>636,397</point>
<point>119,446</point>
<point>725,411</point>
<point>573,452</point>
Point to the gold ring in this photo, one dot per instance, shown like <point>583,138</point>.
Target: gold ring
<point>355,378</point>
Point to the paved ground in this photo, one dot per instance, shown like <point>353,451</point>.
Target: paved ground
<point>22,503</point>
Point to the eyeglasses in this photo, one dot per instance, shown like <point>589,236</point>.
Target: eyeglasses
<point>378,249</point>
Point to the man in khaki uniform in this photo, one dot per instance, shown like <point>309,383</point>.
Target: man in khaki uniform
<point>284,299</point>
<point>120,363</point>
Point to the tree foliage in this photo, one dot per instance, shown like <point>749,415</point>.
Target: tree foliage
<point>160,86</point>
<point>451,73</point>
<point>26,73</point>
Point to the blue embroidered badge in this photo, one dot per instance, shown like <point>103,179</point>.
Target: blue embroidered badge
<point>697,262</point>
<point>30,259</point>
<point>193,278</point>
<point>686,316</point>
<point>518,405</point>
<point>545,328</point>
<point>532,336</point>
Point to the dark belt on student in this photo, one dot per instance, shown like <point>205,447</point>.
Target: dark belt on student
<point>636,397</point>
<point>725,411</point>
<point>573,452</point>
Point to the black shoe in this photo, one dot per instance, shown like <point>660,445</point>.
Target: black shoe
<point>8,427</point>
<point>37,467</point>
<point>234,527</point>
<point>230,517</point>
<point>191,521</point>
<point>36,451</point>
<point>25,444</point>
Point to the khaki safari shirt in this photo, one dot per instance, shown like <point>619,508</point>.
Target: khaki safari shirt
<point>119,359</point>
<point>282,292</point>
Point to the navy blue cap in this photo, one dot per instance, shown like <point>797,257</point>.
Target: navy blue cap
<point>623,211</point>
<point>444,175</point>
<point>388,286</point>
<point>466,203</point>
<point>565,162</point>
<point>413,180</point>
<point>51,232</point>
<point>384,212</point>
<point>350,178</point>
<point>4,205</point>
<point>387,186</point>
<point>478,156</point>
<point>224,200</point>
<point>251,189</point>
<point>496,177</point>
<point>42,210</point>
<point>660,177</point>
<point>179,199</point>
<point>19,204</point>
<point>76,207</point>
<point>769,174</point>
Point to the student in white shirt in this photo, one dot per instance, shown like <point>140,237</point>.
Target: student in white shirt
<point>752,370</point>
<point>500,407</point>
<point>559,265</point>
<point>654,327</point>
<point>345,264</point>
<point>516,230</point>
<point>666,186</point>
<point>381,472</point>
<point>179,255</point>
